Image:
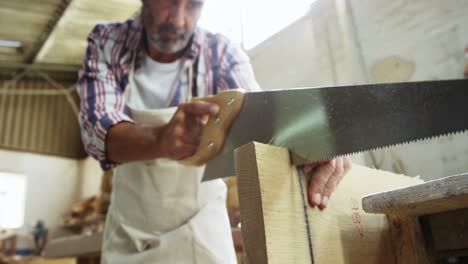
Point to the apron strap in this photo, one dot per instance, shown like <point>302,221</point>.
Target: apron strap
<point>131,75</point>
<point>190,82</point>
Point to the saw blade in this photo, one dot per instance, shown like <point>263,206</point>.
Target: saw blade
<point>318,124</point>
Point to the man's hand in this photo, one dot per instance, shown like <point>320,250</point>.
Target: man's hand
<point>324,179</point>
<point>127,142</point>
<point>181,137</point>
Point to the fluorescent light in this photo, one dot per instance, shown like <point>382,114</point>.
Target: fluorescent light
<point>10,43</point>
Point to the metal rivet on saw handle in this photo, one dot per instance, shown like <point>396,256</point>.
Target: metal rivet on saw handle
<point>231,101</point>
<point>210,145</point>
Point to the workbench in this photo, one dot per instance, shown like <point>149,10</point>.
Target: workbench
<point>7,243</point>
<point>85,248</point>
<point>372,217</point>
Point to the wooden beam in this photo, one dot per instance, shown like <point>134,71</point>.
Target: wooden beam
<point>435,196</point>
<point>41,42</point>
<point>39,66</point>
<point>439,203</point>
<point>279,226</point>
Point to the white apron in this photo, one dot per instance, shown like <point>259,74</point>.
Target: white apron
<point>160,212</point>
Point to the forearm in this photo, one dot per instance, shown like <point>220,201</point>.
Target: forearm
<point>128,142</point>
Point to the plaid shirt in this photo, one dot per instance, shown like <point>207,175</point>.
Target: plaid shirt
<point>218,65</point>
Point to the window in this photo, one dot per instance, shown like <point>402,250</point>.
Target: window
<point>12,200</point>
<point>249,22</point>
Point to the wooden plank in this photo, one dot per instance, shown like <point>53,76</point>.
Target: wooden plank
<point>278,228</point>
<point>52,261</point>
<point>264,218</point>
<point>37,66</point>
<point>440,195</point>
<point>74,246</point>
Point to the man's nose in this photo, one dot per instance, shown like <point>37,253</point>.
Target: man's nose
<point>178,16</point>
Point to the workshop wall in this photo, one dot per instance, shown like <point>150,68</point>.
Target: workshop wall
<point>354,41</point>
<point>90,175</point>
<point>52,185</point>
<point>36,118</point>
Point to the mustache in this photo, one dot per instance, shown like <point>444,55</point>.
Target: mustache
<point>170,28</point>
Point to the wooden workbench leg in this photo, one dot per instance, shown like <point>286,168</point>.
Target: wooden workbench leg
<point>279,226</point>
<point>408,242</point>
<point>2,247</point>
<point>13,245</point>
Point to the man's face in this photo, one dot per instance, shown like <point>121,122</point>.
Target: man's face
<point>169,24</point>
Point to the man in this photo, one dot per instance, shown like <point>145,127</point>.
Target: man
<point>40,234</point>
<point>135,89</point>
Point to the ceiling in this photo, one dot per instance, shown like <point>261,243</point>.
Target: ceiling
<point>53,33</point>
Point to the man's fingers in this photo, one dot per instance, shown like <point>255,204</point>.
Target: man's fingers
<point>318,181</point>
<point>346,164</point>
<point>203,119</point>
<point>325,179</point>
<point>178,117</point>
<point>183,133</point>
<point>194,126</point>
<point>332,182</point>
<point>309,167</point>
<point>200,108</point>
<point>192,139</point>
<point>183,150</point>
<point>191,118</point>
<point>346,168</point>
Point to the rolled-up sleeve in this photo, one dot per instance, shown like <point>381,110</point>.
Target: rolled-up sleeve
<point>236,69</point>
<point>101,96</point>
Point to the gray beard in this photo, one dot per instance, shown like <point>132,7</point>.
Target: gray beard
<point>161,45</point>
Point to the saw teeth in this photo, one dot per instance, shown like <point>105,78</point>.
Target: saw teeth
<point>299,161</point>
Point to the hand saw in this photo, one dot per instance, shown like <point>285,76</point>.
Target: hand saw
<point>317,124</point>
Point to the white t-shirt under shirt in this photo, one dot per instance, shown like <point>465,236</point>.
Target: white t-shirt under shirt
<point>153,84</point>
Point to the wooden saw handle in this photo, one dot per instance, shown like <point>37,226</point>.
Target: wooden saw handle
<point>215,131</point>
